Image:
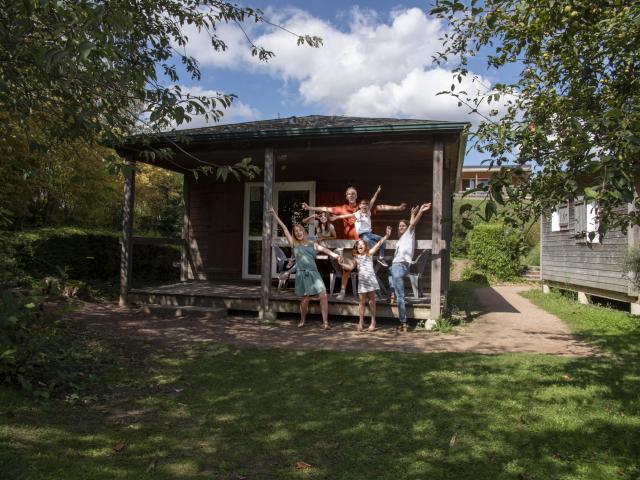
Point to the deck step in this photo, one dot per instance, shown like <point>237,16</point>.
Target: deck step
<point>181,311</point>
<point>532,273</point>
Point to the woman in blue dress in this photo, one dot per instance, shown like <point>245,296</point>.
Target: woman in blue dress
<point>308,279</point>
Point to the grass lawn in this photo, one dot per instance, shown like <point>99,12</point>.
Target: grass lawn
<point>221,412</point>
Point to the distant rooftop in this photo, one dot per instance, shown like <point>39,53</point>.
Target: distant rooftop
<point>484,168</point>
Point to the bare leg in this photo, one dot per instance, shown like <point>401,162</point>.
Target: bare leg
<point>304,308</point>
<point>362,298</point>
<point>324,309</point>
<point>345,278</point>
<point>372,308</point>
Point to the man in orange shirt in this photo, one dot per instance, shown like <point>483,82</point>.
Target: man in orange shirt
<point>349,223</point>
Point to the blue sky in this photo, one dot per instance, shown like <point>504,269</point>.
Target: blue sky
<point>376,61</point>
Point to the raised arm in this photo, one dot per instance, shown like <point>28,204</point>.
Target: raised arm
<point>391,208</point>
<point>416,214</point>
<point>284,227</point>
<point>315,209</point>
<point>346,215</point>
<point>309,219</point>
<point>372,202</point>
<point>373,250</point>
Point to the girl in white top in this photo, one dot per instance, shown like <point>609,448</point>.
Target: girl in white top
<point>367,281</point>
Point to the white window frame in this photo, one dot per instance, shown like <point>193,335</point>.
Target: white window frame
<point>555,221</point>
<point>277,187</point>
<point>592,222</point>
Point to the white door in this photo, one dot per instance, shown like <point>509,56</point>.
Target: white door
<point>287,201</point>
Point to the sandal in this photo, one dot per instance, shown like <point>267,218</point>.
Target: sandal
<point>301,324</point>
<point>325,326</point>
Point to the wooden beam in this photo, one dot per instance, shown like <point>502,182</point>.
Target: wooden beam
<point>126,243</point>
<point>265,285</point>
<point>156,241</point>
<point>342,243</point>
<point>447,225</point>
<point>186,215</point>
<point>436,228</point>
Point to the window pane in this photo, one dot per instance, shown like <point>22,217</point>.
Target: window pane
<point>290,208</point>
<point>255,257</point>
<point>255,211</point>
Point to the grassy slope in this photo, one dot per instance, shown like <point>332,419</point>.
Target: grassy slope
<point>226,413</point>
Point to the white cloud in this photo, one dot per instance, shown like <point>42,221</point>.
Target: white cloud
<point>237,112</point>
<point>372,67</point>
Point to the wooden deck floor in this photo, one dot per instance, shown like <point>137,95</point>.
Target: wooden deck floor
<point>245,296</point>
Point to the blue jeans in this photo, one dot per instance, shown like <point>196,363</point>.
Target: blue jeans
<point>396,282</point>
<point>371,239</point>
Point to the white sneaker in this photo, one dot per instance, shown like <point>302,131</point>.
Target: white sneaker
<point>382,262</point>
<point>340,296</point>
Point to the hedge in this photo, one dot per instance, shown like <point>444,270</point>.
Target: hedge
<point>496,250</point>
<point>90,254</point>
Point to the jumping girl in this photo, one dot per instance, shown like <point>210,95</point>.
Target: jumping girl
<point>308,280</point>
<point>367,281</point>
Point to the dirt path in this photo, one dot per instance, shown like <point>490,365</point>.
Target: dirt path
<point>512,324</point>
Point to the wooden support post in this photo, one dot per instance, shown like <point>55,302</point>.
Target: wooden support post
<point>186,228</point>
<point>265,291</point>
<point>126,242</point>
<point>447,225</point>
<point>436,229</point>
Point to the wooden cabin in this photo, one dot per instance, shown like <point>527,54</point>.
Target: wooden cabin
<point>572,259</point>
<point>302,159</point>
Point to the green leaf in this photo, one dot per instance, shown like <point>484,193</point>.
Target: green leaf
<point>85,49</point>
<point>465,207</point>
<point>590,193</point>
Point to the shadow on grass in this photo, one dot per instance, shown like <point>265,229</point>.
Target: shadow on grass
<point>464,306</point>
<point>217,411</point>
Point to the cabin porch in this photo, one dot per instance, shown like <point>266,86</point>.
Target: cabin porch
<point>246,296</point>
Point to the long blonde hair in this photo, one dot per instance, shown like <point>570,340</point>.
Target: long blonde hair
<point>305,238</point>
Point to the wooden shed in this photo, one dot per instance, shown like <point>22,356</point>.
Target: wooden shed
<point>302,159</point>
<point>572,259</point>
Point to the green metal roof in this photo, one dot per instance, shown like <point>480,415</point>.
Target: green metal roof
<point>312,125</point>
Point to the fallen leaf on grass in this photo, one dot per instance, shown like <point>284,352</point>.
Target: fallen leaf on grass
<point>119,447</point>
<point>303,465</point>
<point>452,442</point>
<point>567,377</point>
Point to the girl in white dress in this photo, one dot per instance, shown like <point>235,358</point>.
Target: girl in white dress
<point>367,281</point>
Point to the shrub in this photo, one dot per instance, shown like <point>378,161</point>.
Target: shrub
<point>632,265</point>
<point>496,250</point>
<point>90,255</point>
<point>27,334</point>
<point>533,257</point>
